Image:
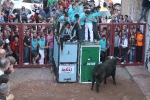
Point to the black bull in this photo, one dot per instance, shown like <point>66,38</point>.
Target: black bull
<point>104,70</point>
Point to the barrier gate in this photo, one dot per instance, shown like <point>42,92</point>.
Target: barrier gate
<point>10,30</point>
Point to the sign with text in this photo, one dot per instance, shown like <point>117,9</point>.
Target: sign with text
<point>66,68</point>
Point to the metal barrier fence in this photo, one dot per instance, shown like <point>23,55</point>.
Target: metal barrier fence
<point>130,29</point>
<point>11,30</point>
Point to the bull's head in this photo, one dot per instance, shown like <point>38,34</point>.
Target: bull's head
<point>115,58</point>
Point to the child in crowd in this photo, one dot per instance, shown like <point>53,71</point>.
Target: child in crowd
<point>34,52</point>
<point>50,39</point>
<point>42,44</point>
<point>8,51</point>
<point>124,45</point>
<point>103,48</point>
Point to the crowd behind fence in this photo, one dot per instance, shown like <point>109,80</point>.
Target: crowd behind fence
<point>33,43</point>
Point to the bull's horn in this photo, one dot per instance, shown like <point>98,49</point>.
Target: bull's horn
<point>118,58</point>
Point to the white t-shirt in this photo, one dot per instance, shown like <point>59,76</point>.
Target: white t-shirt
<point>1,72</point>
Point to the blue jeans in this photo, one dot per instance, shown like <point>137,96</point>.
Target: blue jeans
<point>143,14</point>
<point>95,31</point>
<point>124,54</point>
<point>131,55</point>
<point>50,55</point>
<point>26,54</point>
<point>16,54</point>
<point>81,33</point>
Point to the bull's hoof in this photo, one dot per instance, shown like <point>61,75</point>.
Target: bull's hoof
<point>92,89</point>
<point>97,91</point>
<point>114,83</point>
<point>105,83</point>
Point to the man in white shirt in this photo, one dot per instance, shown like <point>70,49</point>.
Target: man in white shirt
<point>124,45</point>
<point>4,64</point>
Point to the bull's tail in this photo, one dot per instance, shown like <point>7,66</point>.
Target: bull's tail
<point>93,81</point>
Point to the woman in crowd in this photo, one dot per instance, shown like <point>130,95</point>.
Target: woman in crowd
<point>23,14</point>
<point>15,49</point>
<point>132,46</point>
<point>50,38</point>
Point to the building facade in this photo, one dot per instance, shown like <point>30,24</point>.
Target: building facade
<point>132,8</point>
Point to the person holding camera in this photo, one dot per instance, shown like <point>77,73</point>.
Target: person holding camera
<point>15,49</point>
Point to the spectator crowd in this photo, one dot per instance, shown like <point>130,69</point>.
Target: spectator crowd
<point>70,21</point>
<point>6,68</point>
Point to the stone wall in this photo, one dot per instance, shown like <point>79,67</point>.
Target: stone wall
<point>131,8</point>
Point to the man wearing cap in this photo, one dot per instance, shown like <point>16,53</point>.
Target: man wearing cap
<point>1,44</point>
<point>4,92</point>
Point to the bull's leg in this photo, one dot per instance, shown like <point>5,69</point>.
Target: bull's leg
<point>105,80</point>
<point>97,85</point>
<point>93,82</point>
<point>113,77</point>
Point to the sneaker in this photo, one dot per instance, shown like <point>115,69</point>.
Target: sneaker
<point>16,63</point>
<point>26,63</point>
<point>122,62</point>
<point>144,22</point>
<point>55,30</point>
<point>51,69</point>
<point>94,41</point>
<point>130,62</point>
<point>97,41</point>
<point>85,40</point>
<point>34,63</point>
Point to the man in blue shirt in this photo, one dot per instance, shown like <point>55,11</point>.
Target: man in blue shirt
<point>95,29</point>
<point>62,20</point>
<point>72,11</point>
<point>103,48</point>
<point>88,25</point>
<point>81,25</point>
<point>80,8</point>
<point>34,45</point>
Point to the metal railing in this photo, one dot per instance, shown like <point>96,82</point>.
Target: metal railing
<point>40,28</point>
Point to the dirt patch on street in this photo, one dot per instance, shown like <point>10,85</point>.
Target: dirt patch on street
<point>49,90</point>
